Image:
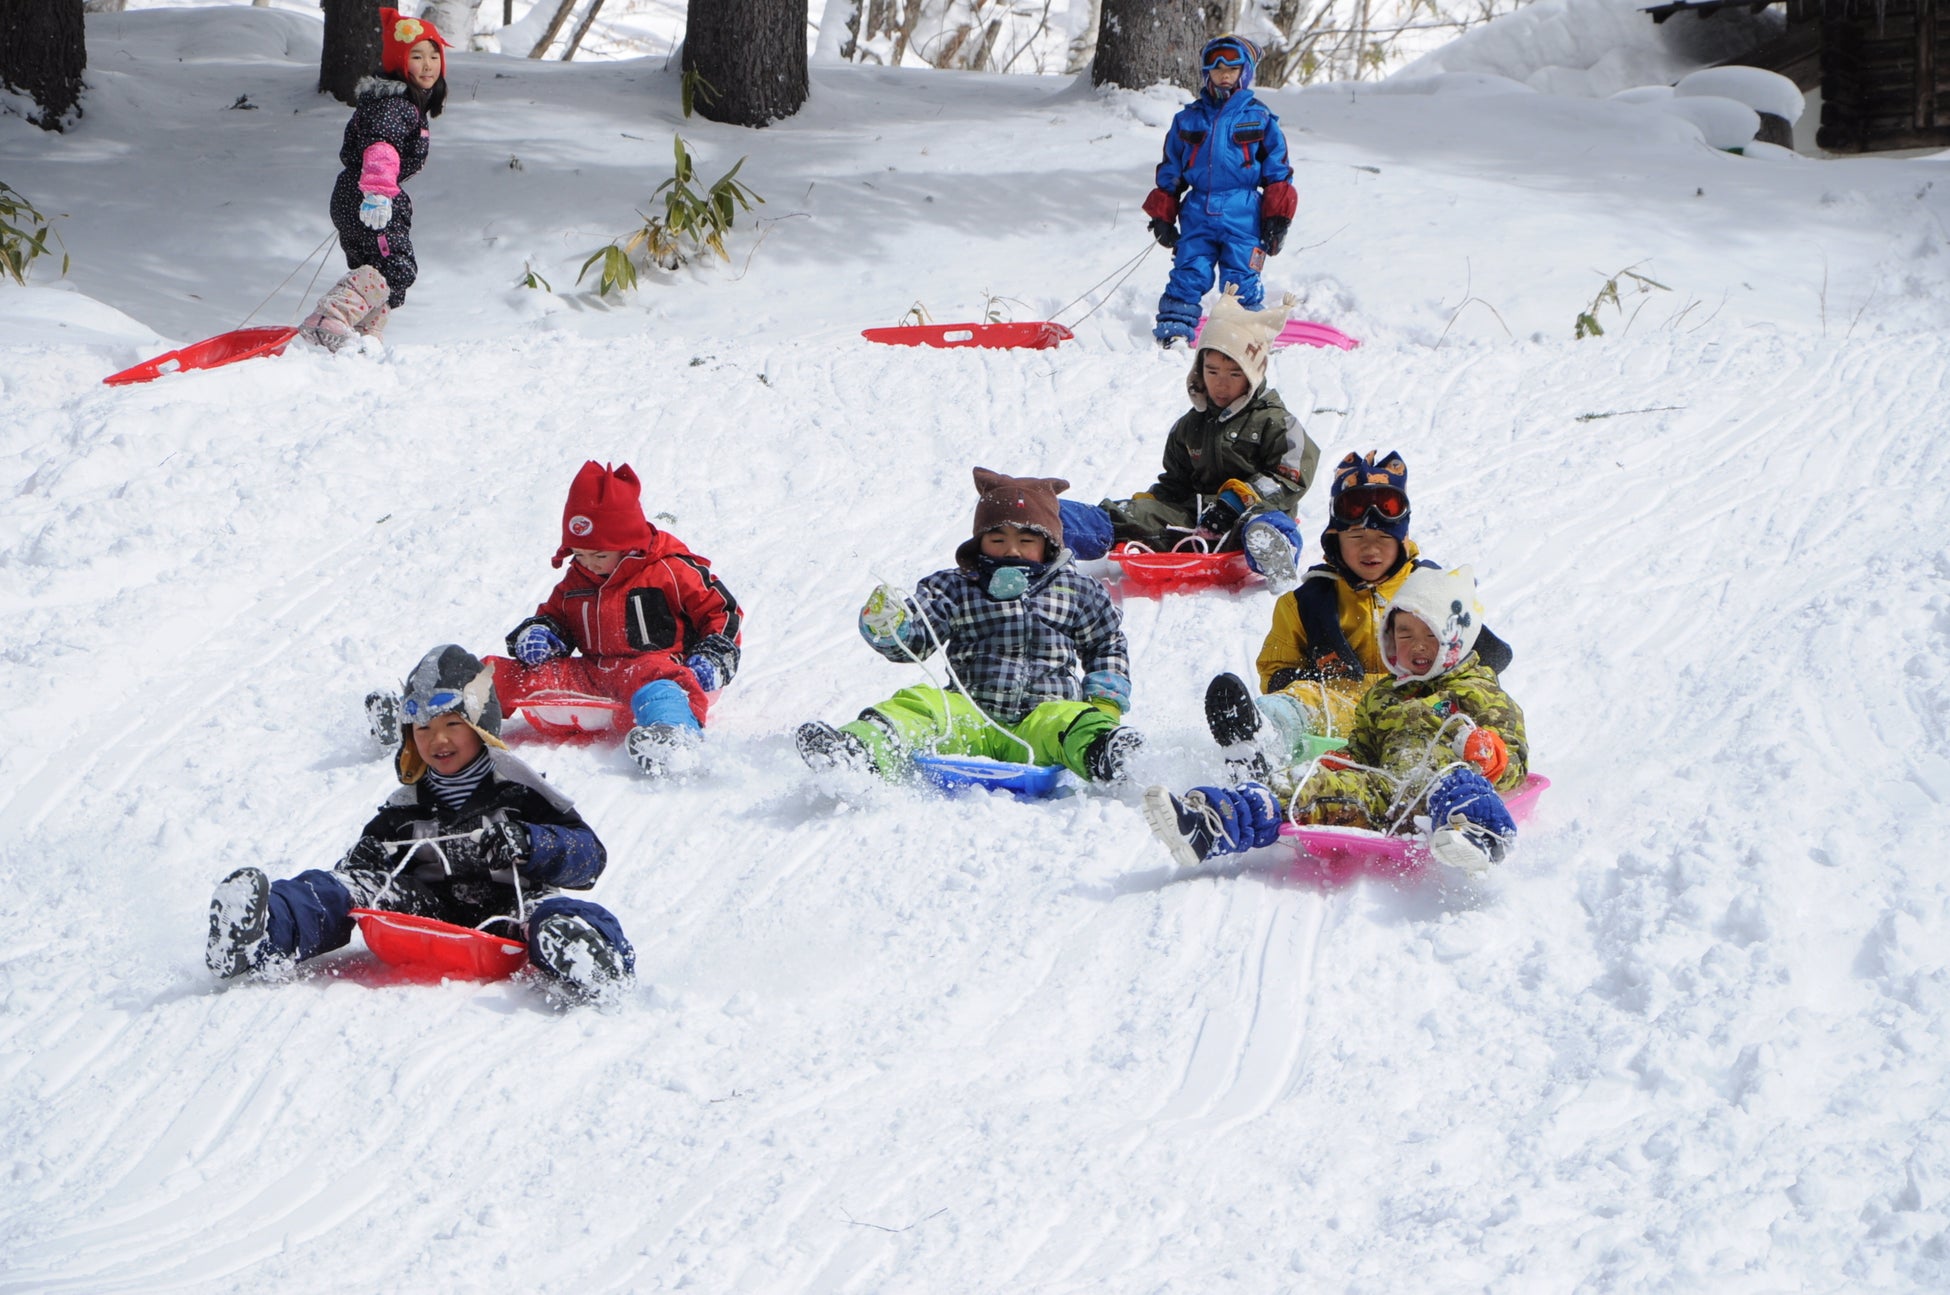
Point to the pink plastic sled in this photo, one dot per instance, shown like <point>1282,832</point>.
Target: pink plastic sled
<point>1298,332</point>
<point>210,353</point>
<point>1333,856</point>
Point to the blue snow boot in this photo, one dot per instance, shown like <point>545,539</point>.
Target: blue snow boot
<point>1213,820</point>
<point>1177,321</point>
<point>1469,826</point>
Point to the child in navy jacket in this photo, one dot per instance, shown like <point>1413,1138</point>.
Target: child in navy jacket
<point>472,837</point>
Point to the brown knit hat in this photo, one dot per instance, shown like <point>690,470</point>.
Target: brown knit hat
<point>1028,502</point>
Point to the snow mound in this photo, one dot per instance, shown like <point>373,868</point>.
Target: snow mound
<point>1759,89</point>
<point>1594,48</point>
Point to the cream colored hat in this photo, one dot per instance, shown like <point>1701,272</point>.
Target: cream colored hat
<point>1243,336</point>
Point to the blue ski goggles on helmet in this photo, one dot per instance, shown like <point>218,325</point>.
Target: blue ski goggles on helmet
<point>418,711</point>
<point>1227,51</point>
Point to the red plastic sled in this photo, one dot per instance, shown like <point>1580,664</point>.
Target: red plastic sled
<point>558,715</point>
<point>1298,332</point>
<point>1038,335</point>
<point>210,353</point>
<point>1156,574</point>
<point>425,948</point>
<point>1333,856</point>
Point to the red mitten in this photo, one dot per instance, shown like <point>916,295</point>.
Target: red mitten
<point>1484,748</point>
<point>1279,200</point>
<point>1160,205</point>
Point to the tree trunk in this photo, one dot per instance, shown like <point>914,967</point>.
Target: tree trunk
<point>42,54</point>
<point>351,49</point>
<point>454,19</point>
<point>1143,42</point>
<point>839,31</point>
<point>554,26</point>
<point>751,54</point>
<point>582,29</point>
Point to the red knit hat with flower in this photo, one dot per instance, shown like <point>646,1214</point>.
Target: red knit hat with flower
<point>398,35</point>
<point>604,512</point>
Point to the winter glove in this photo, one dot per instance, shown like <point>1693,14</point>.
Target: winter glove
<point>1224,512</point>
<point>1166,233</point>
<point>713,661</point>
<point>535,641</point>
<point>1484,748</point>
<point>459,855</point>
<point>886,611</point>
<point>507,847</point>
<point>1272,233</point>
<point>1108,691</point>
<point>368,853</point>
<point>376,211</point>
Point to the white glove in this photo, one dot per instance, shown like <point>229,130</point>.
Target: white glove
<point>885,612</point>
<point>376,211</point>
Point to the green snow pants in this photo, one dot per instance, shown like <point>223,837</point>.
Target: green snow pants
<point>929,719</point>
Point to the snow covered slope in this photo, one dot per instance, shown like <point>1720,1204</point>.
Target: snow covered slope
<point>1691,1037</point>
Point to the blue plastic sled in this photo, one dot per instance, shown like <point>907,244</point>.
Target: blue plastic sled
<point>1023,781</point>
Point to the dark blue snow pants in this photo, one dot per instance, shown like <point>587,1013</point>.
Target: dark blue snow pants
<point>311,913</point>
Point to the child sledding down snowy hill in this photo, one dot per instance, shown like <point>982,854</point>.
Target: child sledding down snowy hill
<point>1325,646</point>
<point>385,145</point>
<point>656,630</point>
<point>1224,195</point>
<point>1440,736</point>
<point>1032,641</point>
<point>473,834</point>
<point>1235,465</point>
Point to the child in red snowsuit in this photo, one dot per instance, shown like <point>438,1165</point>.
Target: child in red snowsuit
<point>657,631</point>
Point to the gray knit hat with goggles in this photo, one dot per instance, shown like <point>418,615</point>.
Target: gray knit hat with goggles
<point>449,680</point>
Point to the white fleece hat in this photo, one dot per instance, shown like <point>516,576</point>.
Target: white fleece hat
<point>1446,602</point>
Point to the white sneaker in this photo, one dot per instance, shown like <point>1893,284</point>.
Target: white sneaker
<point>1187,827</point>
<point>1466,846</point>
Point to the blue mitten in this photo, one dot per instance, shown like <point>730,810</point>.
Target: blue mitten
<point>1108,690</point>
<point>376,211</point>
<point>535,641</point>
<point>704,672</point>
<point>713,661</point>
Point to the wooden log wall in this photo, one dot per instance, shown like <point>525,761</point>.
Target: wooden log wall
<point>1885,74</point>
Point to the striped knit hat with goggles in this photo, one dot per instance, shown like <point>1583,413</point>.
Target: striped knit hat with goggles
<point>1371,494</point>
<point>1228,51</point>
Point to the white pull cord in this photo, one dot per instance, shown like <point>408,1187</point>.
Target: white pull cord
<point>941,646</point>
<point>410,846</point>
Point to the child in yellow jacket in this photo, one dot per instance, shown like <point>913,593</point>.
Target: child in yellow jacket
<point>1325,646</point>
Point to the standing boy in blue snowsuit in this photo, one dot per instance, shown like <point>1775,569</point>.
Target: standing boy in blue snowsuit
<point>1226,148</point>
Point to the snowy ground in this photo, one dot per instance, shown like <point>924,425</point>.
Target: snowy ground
<point>1692,1037</point>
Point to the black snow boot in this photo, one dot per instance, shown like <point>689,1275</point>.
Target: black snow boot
<point>578,961</point>
<point>1109,757</point>
<point>382,717</point>
<point>824,747</point>
<point>1236,726</point>
<point>240,914</point>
